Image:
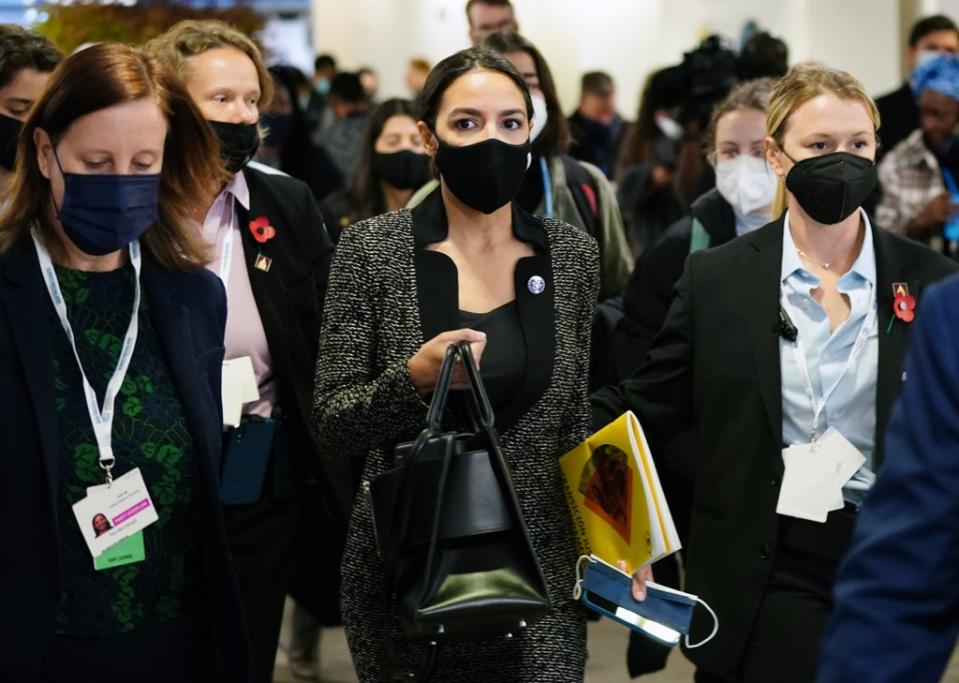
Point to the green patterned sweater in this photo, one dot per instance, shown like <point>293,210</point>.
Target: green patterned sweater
<point>150,432</point>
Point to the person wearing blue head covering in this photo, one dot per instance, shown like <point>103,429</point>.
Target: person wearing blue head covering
<point>918,177</point>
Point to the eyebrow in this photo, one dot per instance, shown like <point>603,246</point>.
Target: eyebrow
<point>476,112</point>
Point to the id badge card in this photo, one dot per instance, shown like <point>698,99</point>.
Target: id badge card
<point>114,513</point>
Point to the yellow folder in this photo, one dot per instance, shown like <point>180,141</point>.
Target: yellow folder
<point>615,497</point>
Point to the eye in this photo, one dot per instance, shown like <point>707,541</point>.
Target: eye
<point>860,144</point>
<point>818,146</point>
<point>464,124</point>
<point>143,166</point>
<point>95,165</point>
<point>219,98</point>
<point>512,124</point>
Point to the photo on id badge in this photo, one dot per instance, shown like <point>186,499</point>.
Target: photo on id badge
<point>109,514</point>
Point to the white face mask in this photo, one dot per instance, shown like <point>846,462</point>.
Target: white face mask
<point>746,184</point>
<point>669,127</point>
<point>540,116</point>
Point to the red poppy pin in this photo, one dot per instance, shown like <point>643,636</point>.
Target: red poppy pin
<point>903,304</point>
<point>261,229</point>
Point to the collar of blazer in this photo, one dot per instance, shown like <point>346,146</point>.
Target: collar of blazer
<point>438,297</point>
<point>761,294</point>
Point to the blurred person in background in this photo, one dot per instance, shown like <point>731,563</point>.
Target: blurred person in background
<point>915,175</point>
<point>487,17</point>
<point>647,164</point>
<point>392,165</point>
<point>597,129</point>
<point>26,61</point>
<point>343,138</point>
<point>286,144</point>
<point>929,37</point>
<point>317,113</point>
<point>763,56</point>
<point>370,81</point>
<point>272,253</point>
<point>416,73</point>
<point>98,254</point>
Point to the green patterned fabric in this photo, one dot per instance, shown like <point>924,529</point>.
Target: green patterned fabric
<point>149,432</point>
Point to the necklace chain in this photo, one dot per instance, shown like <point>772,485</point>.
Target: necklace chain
<point>824,265</point>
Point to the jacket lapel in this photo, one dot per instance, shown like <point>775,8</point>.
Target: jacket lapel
<point>890,268</point>
<point>171,320</point>
<point>28,305</point>
<point>760,296</point>
<point>438,297</point>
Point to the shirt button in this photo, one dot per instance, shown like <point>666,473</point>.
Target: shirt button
<point>774,482</point>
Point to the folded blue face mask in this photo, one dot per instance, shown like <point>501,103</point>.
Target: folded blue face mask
<point>104,213</point>
<point>664,616</point>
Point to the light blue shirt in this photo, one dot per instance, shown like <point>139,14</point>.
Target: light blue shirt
<point>851,408</point>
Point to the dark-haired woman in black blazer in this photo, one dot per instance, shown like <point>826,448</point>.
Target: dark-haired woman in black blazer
<point>466,264</point>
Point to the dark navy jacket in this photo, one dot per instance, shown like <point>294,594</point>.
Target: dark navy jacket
<point>189,314</point>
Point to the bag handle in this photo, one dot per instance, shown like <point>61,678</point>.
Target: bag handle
<point>441,392</point>
<point>480,402</point>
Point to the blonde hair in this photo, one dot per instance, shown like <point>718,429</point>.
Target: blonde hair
<point>801,84</point>
<point>192,37</point>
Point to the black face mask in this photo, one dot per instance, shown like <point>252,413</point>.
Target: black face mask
<point>404,170</point>
<point>831,187</point>
<point>238,143</point>
<point>484,175</point>
<point>9,136</point>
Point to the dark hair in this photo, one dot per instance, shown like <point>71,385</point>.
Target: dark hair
<point>347,87</point>
<point>763,55</point>
<point>295,152</point>
<point>459,64</point>
<point>491,3</point>
<point>324,61</point>
<point>927,25</point>
<point>364,194</point>
<point>555,138</point>
<point>21,49</point>
<point>191,169</point>
<point>596,82</point>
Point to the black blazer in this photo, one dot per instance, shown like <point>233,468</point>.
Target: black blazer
<point>189,313</point>
<point>289,298</point>
<point>716,365</point>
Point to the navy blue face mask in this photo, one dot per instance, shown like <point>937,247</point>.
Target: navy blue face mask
<point>102,214</point>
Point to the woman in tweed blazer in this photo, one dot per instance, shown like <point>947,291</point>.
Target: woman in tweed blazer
<point>398,291</point>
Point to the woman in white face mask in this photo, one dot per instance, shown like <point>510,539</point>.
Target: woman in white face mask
<point>741,202</point>
<point>556,185</point>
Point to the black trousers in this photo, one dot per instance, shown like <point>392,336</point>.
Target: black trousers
<point>171,651</point>
<point>784,643</point>
<point>263,539</point>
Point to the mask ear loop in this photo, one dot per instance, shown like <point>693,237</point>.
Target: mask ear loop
<point>690,646</point>
<point>578,588</point>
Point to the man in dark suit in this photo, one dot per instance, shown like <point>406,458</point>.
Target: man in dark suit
<point>896,614</point>
<point>898,110</point>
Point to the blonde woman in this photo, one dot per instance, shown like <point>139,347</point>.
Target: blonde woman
<point>772,340</point>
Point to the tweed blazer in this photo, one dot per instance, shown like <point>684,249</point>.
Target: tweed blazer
<point>383,299</point>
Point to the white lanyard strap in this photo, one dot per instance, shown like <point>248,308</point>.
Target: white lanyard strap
<point>819,405</point>
<point>226,257</point>
<point>101,418</point>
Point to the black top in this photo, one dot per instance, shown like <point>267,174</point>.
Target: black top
<point>150,433</point>
<point>503,365</point>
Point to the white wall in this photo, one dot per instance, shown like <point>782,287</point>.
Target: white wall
<point>628,38</point>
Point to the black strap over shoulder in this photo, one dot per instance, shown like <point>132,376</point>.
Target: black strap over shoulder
<point>585,193</point>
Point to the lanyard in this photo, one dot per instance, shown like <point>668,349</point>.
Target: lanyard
<point>547,187</point>
<point>950,182</point>
<point>101,418</point>
<point>226,257</point>
<point>819,405</point>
